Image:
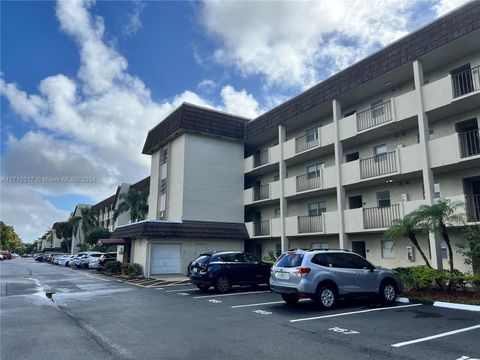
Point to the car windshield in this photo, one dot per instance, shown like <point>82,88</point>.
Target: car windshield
<point>290,260</point>
<point>202,259</point>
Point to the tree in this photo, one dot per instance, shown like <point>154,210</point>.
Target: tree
<point>89,219</point>
<point>9,240</point>
<point>96,234</point>
<point>438,217</point>
<point>83,247</point>
<point>470,247</point>
<point>134,201</point>
<point>406,227</point>
<point>49,235</point>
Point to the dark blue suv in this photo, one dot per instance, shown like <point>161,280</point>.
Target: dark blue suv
<point>224,269</point>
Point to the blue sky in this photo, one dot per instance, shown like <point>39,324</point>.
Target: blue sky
<point>82,82</point>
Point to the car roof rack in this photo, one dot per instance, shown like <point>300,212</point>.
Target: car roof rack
<point>314,249</point>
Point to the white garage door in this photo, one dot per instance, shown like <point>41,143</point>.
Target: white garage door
<point>165,259</point>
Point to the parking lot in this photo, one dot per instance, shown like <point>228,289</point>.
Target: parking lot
<point>177,321</point>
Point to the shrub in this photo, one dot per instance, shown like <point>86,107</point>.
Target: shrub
<point>131,270</point>
<point>424,277</point>
<point>405,275</point>
<point>115,267</point>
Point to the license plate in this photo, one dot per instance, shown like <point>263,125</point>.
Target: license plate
<point>194,270</point>
<point>282,275</point>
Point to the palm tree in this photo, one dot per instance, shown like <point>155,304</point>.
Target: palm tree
<point>66,229</point>
<point>89,219</point>
<point>134,201</point>
<point>49,236</point>
<point>438,217</point>
<point>405,227</point>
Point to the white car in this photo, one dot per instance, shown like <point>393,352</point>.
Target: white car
<point>65,260</point>
<point>94,263</point>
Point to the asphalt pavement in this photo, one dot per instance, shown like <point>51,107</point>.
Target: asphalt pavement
<point>93,316</point>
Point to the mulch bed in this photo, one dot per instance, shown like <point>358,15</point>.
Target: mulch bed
<point>460,297</point>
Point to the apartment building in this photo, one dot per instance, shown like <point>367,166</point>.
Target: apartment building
<point>330,168</point>
<point>335,165</point>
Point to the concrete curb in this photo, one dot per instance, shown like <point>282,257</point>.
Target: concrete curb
<point>457,306</point>
<point>403,300</point>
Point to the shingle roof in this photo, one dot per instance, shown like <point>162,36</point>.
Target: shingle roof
<point>186,229</point>
<point>442,31</point>
<point>104,203</point>
<point>194,118</point>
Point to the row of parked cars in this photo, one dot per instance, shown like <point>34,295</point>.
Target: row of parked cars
<point>87,259</point>
<point>319,274</point>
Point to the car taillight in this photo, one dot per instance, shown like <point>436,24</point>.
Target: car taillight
<point>271,270</point>
<point>302,271</point>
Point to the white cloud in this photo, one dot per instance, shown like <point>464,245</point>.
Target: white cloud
<point>297,43</point>
<point>239,102</point>
<point>92,125</point>
<point>444,6</point>
<point>134,23</point>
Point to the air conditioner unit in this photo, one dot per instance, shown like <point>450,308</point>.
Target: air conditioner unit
<point>410,253</point>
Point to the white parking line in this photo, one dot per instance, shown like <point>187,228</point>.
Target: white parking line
<point>436,336</point>
<point>234,294</point>
<point>178,284</point>
<point>169,291</point>
<point>265,303</point>
<point>353,312</point>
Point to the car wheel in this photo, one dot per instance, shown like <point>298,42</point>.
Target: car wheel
<point>203,287</point>
<point>222,284</point>
<point>290,299</point>
<point>326,296</point>
<point>388,292</point>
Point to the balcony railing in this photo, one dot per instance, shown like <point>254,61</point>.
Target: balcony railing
<point>261,228</point>
<point>310,224</point>
<point>307,182</point>
<point>380,217</point>
<point>260,158</point>
<point>472,204</point>
<point>261,192</point>
<point>377,165</point>
<point>469,143</point>
<point>306,142</point>
<point>376,115</point>
<point>466,81</point>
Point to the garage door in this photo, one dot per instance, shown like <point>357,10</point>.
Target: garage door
<point>165,259</point>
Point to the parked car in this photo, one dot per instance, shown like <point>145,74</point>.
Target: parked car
<point>65,260</point>
<point>85,259</point>
<point>327,275</point>
<point>41,257</point>
<point>51,256</point>
<point>6,255</point>
<point>106,258</point>
<point>224,269</point>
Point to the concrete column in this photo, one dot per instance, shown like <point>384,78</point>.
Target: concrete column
<point>342,236</point>
<point>154,186</point>
<point>282,176</point>
<point>423,130</point>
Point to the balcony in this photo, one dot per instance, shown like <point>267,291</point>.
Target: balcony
<point>261,228</point>
<point>308,182</point>
<point>261,192</point>
<point>376,115</point>
<point>310,145</point>
<point>469,143</point>
<point>297,185</point>
<point>310,224</point>
<point>380,217</point>
<point>466,82</point>
<point>263,161</point>
<point>264,193</point>
<point>378,165</point>
<point>472,207</point>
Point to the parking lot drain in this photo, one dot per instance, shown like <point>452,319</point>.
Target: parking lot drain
<point>49,294</point>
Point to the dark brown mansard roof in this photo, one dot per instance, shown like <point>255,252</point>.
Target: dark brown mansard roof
<point>108,202</point>
<point>188,117</point>
<point>186,229</point>
<point>143,184</point>
<point>440,32</point>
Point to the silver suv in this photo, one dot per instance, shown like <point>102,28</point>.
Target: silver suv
<point>326,275</point>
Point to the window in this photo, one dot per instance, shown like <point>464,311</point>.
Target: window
<point>355,202</point>
<point>320,259</point>
<point>163,186</point>
<point>278,249</point>
<point>356,262</point>
<point>290,260</point>
<point>377,108</point>
<point>317,208</point>
<point>313,171</point>
<point>436,189</point>
<point>323,245</point>
<point>352,156</point>
<point>238,257</point>
<point>277,213</point>
<point>337,260</point>
<point>443,249</point>
<point>163,156</point>
<point>387,249</point>
<point>311,134</point>
<point>380,150</point>
<point>383,199</point>
<point>250,259</point>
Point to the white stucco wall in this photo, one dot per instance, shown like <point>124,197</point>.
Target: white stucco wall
<point>175,179</point>
<point>213,179</point>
